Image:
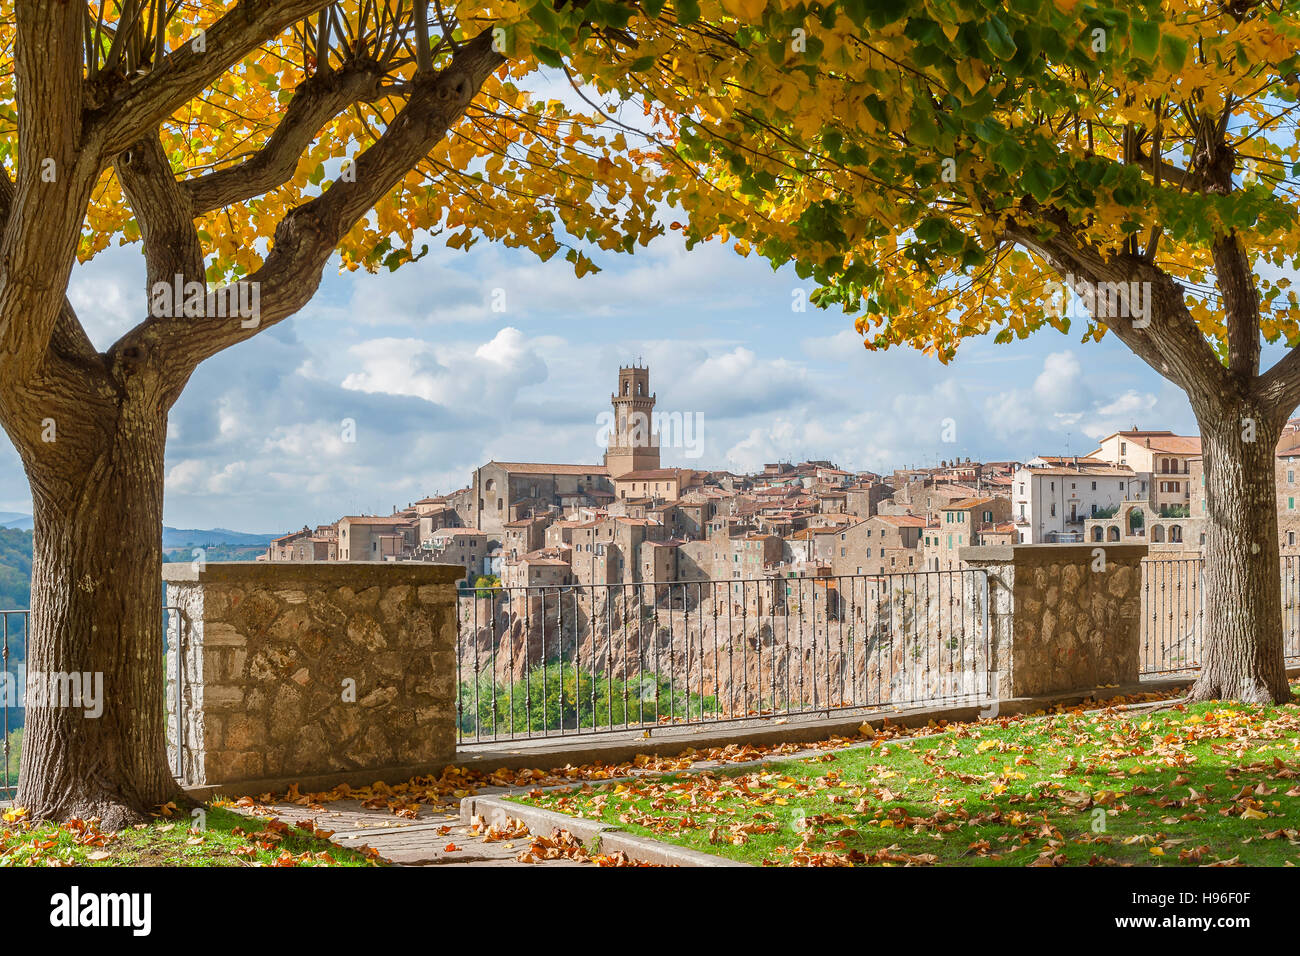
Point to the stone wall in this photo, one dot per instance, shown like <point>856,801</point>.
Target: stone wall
<point>1062,617</point>
<point>311,673</point>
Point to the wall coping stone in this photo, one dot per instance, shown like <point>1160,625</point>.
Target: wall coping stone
<point>1048,553</point>
<point>320,573</point>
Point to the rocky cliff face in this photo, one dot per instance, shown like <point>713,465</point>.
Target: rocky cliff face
<point>897,647</point>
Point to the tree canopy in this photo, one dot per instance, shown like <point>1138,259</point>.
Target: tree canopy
<point>938,166</point>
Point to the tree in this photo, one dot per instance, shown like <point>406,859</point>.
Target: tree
<point>243,145</point>
<point>947,169</point>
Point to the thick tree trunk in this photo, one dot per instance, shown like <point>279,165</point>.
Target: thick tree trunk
<point>1242,654</point>
<point>96,613</point>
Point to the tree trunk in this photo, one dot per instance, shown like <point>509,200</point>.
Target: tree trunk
<point>1242,653</point>
<point>97,612</point>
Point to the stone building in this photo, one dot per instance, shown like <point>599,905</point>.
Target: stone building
<point>633,443</point>
<point>467,547</point>
<point>505,491</point>
<point>371,538</point>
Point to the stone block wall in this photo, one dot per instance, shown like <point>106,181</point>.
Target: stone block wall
<point>316,673</point>
<point>1062,617</point>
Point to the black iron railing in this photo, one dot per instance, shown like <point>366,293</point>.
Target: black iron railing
<point>13,681</point>
<point>577,659</point>
<point>1173,613</point>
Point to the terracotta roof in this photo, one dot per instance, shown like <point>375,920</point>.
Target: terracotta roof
<point>655,474</point>
<point>1070,459</point>
<point>1120,471</point>
<point>371,519</point>
<point>966,503</point>
<point>1176,445</point>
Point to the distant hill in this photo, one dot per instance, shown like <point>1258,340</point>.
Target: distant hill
<point>180,538</point>
<point>15,519</point>
<point>172,537</point>
<point>15,568</point>
<point>218,544</point>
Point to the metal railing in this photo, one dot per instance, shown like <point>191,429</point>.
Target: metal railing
<point>14,624</point>
<point>1173,613</point>
<point>13,680</point>
<point>557,660</point>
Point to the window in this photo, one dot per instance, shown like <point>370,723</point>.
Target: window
<point>1053,509</point>
<point>1094,486</point>
<point>1123,448</point>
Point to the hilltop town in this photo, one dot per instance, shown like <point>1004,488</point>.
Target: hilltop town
<point>629,520</point>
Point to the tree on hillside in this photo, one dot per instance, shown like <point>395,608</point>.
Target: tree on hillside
<point>945,169</point>
<point>243,145</point>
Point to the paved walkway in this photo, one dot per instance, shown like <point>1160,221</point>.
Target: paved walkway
<point>435,837</point>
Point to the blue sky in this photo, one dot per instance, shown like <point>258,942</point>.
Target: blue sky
<point>437,382</point>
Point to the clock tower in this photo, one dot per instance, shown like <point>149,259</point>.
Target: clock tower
<point>633,444</point>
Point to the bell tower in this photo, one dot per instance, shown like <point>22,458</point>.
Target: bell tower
<point>633,444</point>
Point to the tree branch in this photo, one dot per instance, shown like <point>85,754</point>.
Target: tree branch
<point>315,102</point>
<point>1165,336</point>
<point>308,235</point>
<point>143,103</point>
<point>171,243</point>
<point>55,177</point>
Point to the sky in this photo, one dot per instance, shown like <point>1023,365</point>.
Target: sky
<point>469,356</point>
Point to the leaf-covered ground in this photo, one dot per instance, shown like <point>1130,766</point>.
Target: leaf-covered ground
<point>223,838</point>
<point>1212,784</point>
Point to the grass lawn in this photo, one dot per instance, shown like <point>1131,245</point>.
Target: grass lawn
<point>1187,786</point>
<point>225,838</point>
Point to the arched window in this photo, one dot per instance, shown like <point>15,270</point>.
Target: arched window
<point>1175,534</point>
<point>1158,534</point>
<point>1097,533</point>
<point>1112,533</point>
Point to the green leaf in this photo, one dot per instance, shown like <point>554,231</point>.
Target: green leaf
<point>1009,155</point>
<point>1173,52</point>
<point>548,56</point>
<point>884,12</point>
<point>999,39</point>
<point>688,11</point>
<point>1146,39</point>
<point>1038,181</point>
